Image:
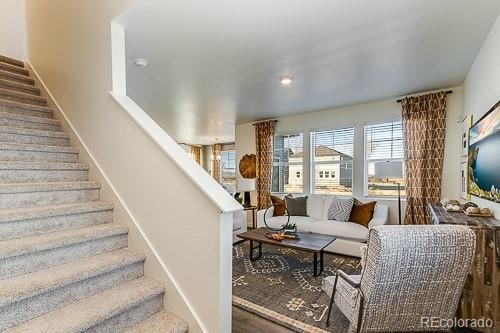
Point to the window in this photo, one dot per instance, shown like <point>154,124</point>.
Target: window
<point>333,154</point>
<point>298,174</point>
<point>288,160</point>
<point>384,158</point>
<point>228,170</point>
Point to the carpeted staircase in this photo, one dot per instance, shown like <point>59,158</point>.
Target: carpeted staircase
<point>64,264</point>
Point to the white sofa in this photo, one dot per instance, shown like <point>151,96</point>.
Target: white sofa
<point>350,236</point>
<point>239,224</point>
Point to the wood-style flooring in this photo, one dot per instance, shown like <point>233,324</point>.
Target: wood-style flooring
<point>246,322</point>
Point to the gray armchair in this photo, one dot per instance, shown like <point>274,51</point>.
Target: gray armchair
<point>410,275</point>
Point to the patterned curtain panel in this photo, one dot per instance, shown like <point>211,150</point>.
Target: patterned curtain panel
<point>264,138</point>
<point>196,154</point>
<point>216,155</point>
<point>424,126</point>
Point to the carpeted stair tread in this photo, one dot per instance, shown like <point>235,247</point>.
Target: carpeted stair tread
<point>32,172</point>
<point>32,284</point>
<point>37,148</point>
<point>21,97</point>
<point>29,121</point>
<point>33,132</point>
<point>15,196</point>
<point>5,75</point>
<point>16,86</point>
<point>44,187</point>
<point>160,322</point>
<point>41,166</point>
<point>11,61</point>
<point>22,246</point>
<point>4,66</point>
<point>29,118</point>
<point>26,106</point>
<point>94,310</point>
<point>21,132</point>
<point>18,214</point>
<point>37,152</point>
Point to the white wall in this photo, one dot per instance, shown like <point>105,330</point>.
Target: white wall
<point>360,115</point>
<point>12,28</point>
<point>482,88</point>
<point>207,162</point>
<point>69,46</point>
<point>186,148</point>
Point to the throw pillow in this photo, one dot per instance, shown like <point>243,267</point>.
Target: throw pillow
<point>297,206</point>
<point>279,209</point>
<point>362,213</point>
<point>340,209</point>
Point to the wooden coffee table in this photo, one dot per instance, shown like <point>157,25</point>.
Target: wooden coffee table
<point>308,241</point>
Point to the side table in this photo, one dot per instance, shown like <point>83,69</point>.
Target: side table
<point>253,209</point>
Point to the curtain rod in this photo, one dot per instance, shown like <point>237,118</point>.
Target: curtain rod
<point>447,92</point>
<point>263,121</point>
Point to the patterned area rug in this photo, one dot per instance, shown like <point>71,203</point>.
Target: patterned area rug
<point>280,287</point>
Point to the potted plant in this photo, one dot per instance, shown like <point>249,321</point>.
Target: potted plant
<point>289,228</point>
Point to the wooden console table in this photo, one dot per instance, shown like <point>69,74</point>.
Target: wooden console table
<point>481,295</point>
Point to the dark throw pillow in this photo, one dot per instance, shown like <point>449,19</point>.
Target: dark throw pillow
<point>297,206</point>
<point>362,213</point>
<point>280,204</point>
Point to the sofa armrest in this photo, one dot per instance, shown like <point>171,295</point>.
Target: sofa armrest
<point>380,216</point>
<point>260,216</point>
<point>239,219</point>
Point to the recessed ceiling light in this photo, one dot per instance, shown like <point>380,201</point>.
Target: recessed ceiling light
<point>286,80</point>
<point>139,62</point>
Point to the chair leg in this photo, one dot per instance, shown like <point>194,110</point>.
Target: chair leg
<point>331,301</point>
<point>360,314</point>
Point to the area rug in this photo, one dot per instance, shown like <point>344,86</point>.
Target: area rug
<point>280,287</point>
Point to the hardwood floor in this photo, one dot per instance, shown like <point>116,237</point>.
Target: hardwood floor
<point>246,322</point>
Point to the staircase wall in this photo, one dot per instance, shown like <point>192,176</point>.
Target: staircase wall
<point>186,237</point>
<point>12,28</point>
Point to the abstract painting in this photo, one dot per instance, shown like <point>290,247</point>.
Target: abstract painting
<point>484,156</point>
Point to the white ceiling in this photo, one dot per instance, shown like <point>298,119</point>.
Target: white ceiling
<point>216,63</point>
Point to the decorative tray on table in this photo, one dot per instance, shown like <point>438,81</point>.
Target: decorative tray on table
<point>477,214</point>
<point>280,235</point>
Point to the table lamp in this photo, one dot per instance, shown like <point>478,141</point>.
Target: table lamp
<point>246,185</point>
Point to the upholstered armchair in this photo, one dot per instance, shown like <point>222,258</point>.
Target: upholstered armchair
<point>410,275</point>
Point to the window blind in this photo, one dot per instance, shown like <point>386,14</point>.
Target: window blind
<point>332,160</point>
<point>228,170</point>
<point>288,163</point>
<point>384,141</point>
<point>384,155</point>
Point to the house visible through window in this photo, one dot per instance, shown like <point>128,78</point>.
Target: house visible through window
<point>384,158</point>
<point>332,155</point>
<point>288,160</point>
<point>228,170</point>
